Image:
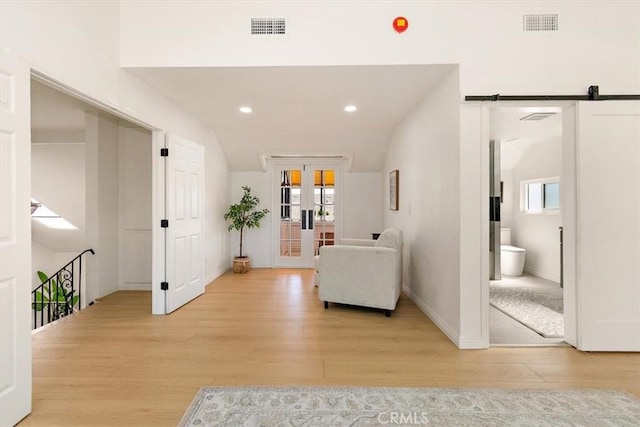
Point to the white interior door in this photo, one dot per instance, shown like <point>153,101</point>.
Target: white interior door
<point>184,261</point>
<point>15,242</point>
<point>608,182</point>
<point>306,211</point>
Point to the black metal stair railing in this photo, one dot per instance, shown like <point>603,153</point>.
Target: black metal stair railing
<point>60,294</point>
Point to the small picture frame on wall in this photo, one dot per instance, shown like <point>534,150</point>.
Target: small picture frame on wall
<point>393,190</point>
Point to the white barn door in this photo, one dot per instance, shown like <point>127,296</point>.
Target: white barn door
<point>15,242</point>
<point>608,182</point>
<point>184,261</point>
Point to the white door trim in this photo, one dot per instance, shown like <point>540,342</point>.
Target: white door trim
<point>569,212</point>
<point>158,185</point>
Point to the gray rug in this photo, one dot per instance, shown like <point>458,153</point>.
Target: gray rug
<point>538,309</point>
<point>367,406</point>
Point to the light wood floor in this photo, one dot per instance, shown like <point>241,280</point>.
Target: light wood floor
<point>115,364</point>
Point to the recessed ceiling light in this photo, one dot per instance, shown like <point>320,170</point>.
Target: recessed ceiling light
<point>350,108</point>
<point>246,110</point>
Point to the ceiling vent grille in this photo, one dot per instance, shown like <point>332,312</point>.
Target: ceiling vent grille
<point>268,26</point>
<point>538,22</point>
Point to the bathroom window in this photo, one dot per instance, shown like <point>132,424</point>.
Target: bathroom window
<point>540,196</point>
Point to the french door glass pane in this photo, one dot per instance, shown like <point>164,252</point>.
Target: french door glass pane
<point>290,212</point>
<point>323,198</point>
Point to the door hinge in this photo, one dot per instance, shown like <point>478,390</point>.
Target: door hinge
<point>164,152</point>
<point>164,286</point>
<point>164,223</point>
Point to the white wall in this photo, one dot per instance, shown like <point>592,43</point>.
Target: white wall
<point>426,150</point>
<point>474,227</point>
<point>217,252</point>
<point>509,200</point>
<point>257,241</point>
<point>102,204</point>
<point>108,206</point>
<point>484,37</point>
<point>135,248</point>
<point>362,211</point>
<point>45,260</point>
<point>538,234</point>
<point>58,181</point>
<point>77,43</point>
<point>363,204</point>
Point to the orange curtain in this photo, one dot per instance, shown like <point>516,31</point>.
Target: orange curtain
<point>328,175</point>
<point>295,178</point>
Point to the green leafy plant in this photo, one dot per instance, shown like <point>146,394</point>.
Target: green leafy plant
<point>244,214</point>
<point>55,295</point>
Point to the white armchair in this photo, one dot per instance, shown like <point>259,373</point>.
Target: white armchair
<point>362,272</point>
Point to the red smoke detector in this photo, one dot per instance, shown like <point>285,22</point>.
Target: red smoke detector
<point>400,24</point>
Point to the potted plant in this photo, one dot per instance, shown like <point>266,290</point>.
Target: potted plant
<point>241,215</point>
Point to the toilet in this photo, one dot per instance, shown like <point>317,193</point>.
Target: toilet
<point>511,257</point>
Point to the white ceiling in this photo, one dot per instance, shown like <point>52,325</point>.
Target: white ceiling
<point>55,111</point>
<point>299,109</point>
<point>52,110</point>
<point>517,136</point>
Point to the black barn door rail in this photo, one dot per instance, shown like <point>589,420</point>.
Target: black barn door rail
<point>592,95</point>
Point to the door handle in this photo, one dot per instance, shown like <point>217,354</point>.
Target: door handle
<point>310,212</point>
<point>304,219</point>
<point>494,208</point>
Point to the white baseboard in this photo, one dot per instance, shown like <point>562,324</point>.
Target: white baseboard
<point>135,287</point>
<point>103,292</point>
<point>435,318</point>
<point>473,344</point>
<point>552,277</point>
<point>217,273</point>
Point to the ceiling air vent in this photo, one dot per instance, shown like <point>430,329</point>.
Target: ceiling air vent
<point>540,22</point>
<point>268,26</point>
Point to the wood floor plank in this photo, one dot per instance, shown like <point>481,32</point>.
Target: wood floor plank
<point>121,365</point>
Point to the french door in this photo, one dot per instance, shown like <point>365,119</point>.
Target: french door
<point>306,211</point>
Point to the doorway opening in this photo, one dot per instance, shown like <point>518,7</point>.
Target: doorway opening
<point>526,293</point>
<point>94,170</point>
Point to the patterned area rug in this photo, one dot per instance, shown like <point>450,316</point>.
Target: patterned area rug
<point>537,309</point>
<point>368,406</point>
